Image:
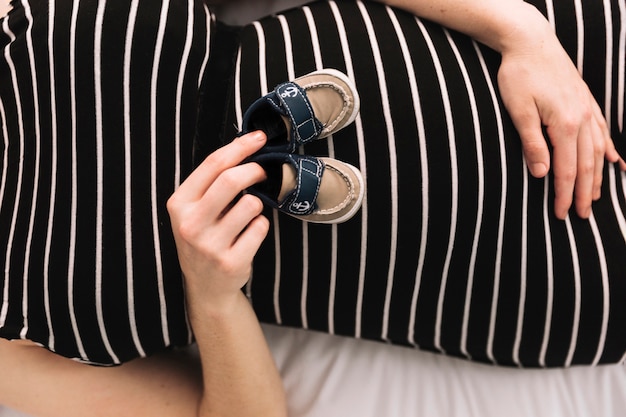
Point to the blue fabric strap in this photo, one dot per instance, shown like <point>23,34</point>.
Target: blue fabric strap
<point>302,200</point>
<point>297,107</point>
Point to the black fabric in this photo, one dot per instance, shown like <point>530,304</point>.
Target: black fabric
<point>217,81</point>
<point>98,109</point>
<point>456,249</point>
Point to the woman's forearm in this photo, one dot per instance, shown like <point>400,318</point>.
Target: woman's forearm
<point>499,24</point>
<point>239,375</point>
<point>217,236</point>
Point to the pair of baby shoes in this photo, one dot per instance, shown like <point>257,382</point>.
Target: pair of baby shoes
<point>313,189</point>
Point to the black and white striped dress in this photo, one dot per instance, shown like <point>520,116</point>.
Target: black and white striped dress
<point>456,248</point>
<point>98,103</point>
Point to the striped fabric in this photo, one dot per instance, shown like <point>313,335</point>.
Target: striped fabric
<point>456,249</point>
<point>98,106</point>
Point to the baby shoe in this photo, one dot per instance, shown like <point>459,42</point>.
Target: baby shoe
<point>318,190</point>
<point>313,106</point>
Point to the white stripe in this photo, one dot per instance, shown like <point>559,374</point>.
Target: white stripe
<point>74,200</point>
<point>100,179</point>
<point>417,111</point>
<point>209,21</point>
<point>333,278</point>
<point>577,292</point>
<point>5,154</point>
<point>18,191</point>
<point>580,31</point>
<point>7,266</point>
<point>503,192</point>
<point>291,74</point>
<point>523,269</point>
<point>53,176</point>
<point>393,166</point>
<point>35,192</point>
<point>238,110</point>
<point>314,38</point>
<point>550,13</point>
<point>345,47</point>
<point>262,60</point>
<point>454,184</point>
<point>615,199</point>
<point>623,176</point>
<point>331,152</point>
<point>179,92</point>
<point>239,117</point>
<point>264,91</point>
<point>177,173</point>
<point>277,259</point>
<point>480,195</point>
<point>549,272</point>
<point>130,287</point>
<point>153,167</point>
<point>606,297</point>
<point>305,277</point>
<point>277,271</point>
<point>608,69</point>
<point>5,161</point>
<point>621,63</point>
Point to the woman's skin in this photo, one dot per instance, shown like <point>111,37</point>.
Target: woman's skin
<point>5,6</point>
<point>216,240</point>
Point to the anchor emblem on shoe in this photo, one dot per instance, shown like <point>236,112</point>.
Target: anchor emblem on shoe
<point>289,92</point>
<point>301,207</point>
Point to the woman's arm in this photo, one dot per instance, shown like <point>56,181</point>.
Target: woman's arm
<point>540,87</point>
<point>236,376</point>
<point>217,240</point>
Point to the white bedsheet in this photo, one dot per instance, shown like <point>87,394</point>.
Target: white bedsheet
<point>331,376</point>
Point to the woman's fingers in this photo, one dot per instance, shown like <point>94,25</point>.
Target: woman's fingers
<point>610,152</point>
<point>561,102</point>
<point>250,240</point>
<point>217,234</point>
<point>565,168</point>
<point>226,187</point>
<point>586,171</point>
<point>602,145</point>
<point>194,187</point>
<point>528,124</point>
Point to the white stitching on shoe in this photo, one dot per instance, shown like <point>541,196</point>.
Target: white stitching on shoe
<point>347,100</point>
<point>349,197</point>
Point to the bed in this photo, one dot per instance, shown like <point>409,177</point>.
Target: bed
<point>328,376</point>
<point>333,376</point>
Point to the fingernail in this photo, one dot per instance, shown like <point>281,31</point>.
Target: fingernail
<point>258,135</point>
<point>597,194</point>
<point>538,169</point>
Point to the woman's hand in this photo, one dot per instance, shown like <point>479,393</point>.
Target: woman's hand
<point>217,235</point>
<point>540,88</point>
